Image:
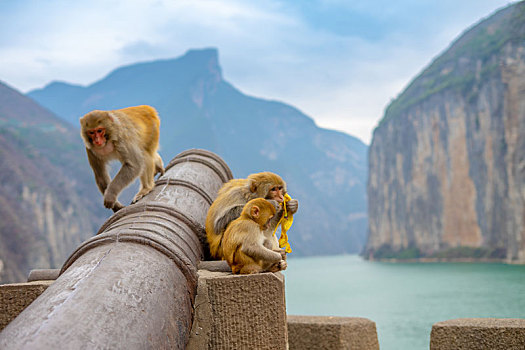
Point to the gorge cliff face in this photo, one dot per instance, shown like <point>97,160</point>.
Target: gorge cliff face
<point>47,203</point>
<point>447,162</point>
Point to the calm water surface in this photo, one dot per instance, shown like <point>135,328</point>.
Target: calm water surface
<point>404,300</point>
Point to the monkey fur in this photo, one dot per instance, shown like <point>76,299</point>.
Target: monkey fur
<point>129,135</point>
<point>231,199</point>
<point>245,245</point>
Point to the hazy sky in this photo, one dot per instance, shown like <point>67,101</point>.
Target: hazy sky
<point>340,62</point>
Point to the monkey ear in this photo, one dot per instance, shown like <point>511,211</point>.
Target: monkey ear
<point>253,186</point>
<point>255,212</point>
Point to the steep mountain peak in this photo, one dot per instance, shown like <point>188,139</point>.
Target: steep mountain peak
<point>207,60</point>
<point>196,62</point>
<point>204,53</point>
<point>208,57</point>
<point>197,70</point>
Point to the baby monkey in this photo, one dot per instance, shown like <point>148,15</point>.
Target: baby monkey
<point>245,247</point>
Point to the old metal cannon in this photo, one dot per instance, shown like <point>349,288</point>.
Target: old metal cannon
<point>133,284</point>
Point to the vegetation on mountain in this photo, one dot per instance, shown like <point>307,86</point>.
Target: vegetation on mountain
<point>471,59</point>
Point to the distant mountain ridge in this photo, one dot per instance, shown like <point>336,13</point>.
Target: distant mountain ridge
<point>326,170</point>
<point>46,209</point>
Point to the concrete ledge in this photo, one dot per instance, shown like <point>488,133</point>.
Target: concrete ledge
<point>239,311</point>
<point>327,332</point>
<point>43,275</point>
<point>478,334</point>
<point>16,297</point>
<point>215,266</point>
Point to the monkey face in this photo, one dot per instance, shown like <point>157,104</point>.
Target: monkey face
<point>97,136</point>
<point>267,185</point>
<point>96,127</point>
<point>267,224</point>
<point>276,193</point>
<point>264,217</point>
<point>260,211</point>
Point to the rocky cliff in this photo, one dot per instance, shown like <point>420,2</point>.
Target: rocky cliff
<point>47,203</point>
<point>447,162</point>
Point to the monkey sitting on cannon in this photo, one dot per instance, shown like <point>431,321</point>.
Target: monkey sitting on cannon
<point>232,198</point>
<point>245,246</point>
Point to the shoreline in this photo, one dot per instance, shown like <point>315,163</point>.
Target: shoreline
<point>446,260</point>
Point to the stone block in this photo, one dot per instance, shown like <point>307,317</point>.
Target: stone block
<point>239,311</point>
<point>328,332</point>
<point>478,334</point>
<point>43,275</point>
<point>16,297</point>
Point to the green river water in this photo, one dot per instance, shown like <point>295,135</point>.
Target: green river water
<point>403,299</point>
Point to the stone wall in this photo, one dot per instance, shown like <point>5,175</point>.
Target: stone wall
<point>478,334</point>
<point>234,312</point>
<point>229,314</point>
<point>14,298</point>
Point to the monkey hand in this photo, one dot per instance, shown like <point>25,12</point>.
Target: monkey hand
<point>279,266</point>
<point>282,252</point>
<point>110,200</point>
<point>117,206</point>
<point>292,206</point>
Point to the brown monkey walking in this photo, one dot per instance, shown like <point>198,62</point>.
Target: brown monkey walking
<point>231,199</point>
<point>245,244</point>
<point>130,135</point>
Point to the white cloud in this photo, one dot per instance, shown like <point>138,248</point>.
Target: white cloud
<point>272,49</point>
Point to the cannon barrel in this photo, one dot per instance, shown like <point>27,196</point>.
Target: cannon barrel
<point>132,285</point>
